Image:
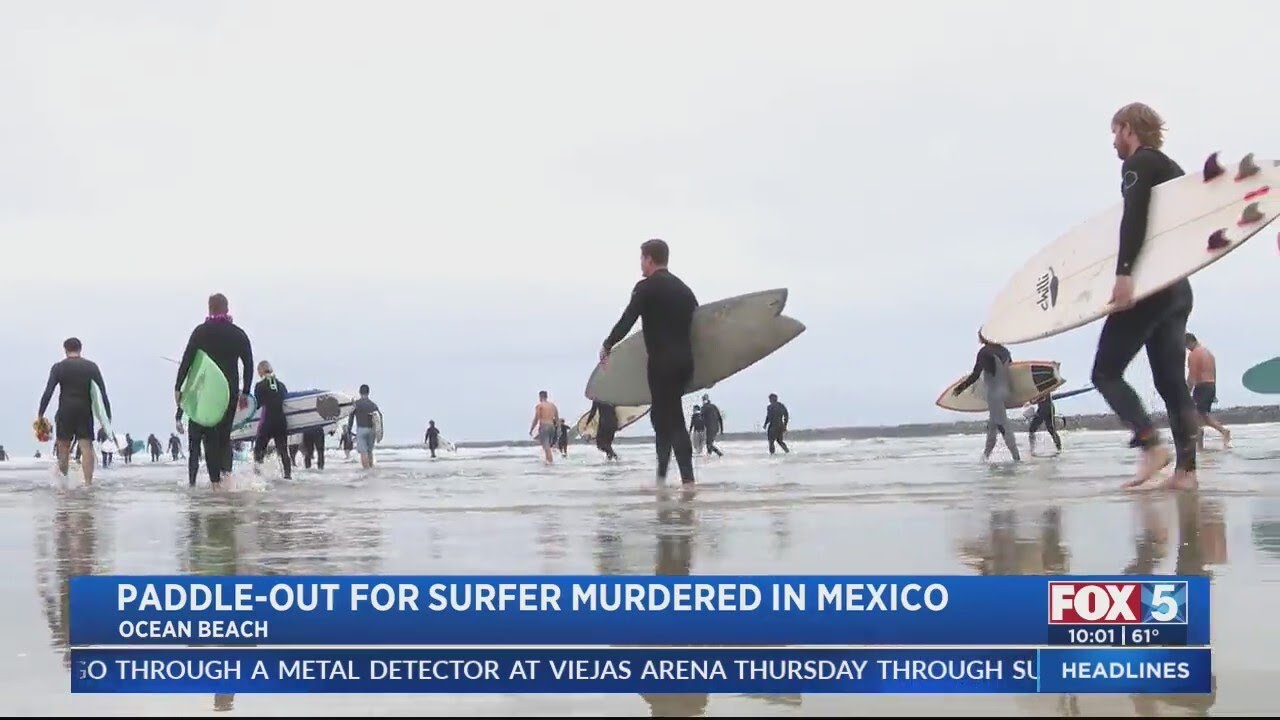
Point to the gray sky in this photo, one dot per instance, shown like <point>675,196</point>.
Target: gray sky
<point>445,200</point>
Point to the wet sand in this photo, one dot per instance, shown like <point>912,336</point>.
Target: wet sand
<point>892,506</point>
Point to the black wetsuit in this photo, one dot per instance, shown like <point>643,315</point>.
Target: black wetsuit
<point>313,446</point>
<point>606,427</point>
<point>775,422</point>
<point>1158,323</point>
<point>226,344</point>
<point>272,424</point>
<point>74,418</point>
<point>985,364</point>
<point>433,439</point>
<point>667,306</point>
<point>175,446</point>
<point>1045,416</point>
<point>347,441</point>
<point>715,426</point>
<point>102,441</point>
<point>153,444</point>
<point>564,438</point>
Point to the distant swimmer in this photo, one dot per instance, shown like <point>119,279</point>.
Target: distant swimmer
<point>346,441</point>
<point>153,444</point>
<point>228,346</point>
<point>273,426</point>
<point>313,447</point>
<point>715,424</point>
<point>546,424</point>
<point>175,446</point>
<point>127,450</point>
<point>1044,415</point>
<point>563,437</point>
<point>667,306</point>
<point>73,377</point>
<point>776,419</point>
<point>1202,378</point>
<point>5,456</point>
<point>1159,322</point>
<point>432,438</point>
<point>698,427</point>
<point>606,427</point>
<point>992,365</point>
<point>362,418</point>
<point>106,452</point>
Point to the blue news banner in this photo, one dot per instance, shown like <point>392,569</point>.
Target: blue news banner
<point>687,634</point>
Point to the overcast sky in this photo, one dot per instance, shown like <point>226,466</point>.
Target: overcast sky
<point>445,200</point>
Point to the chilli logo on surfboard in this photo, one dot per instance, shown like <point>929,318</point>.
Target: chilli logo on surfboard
<point>328,407</point>
<point>1047,290</point>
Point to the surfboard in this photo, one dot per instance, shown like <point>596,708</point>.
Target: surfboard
<point>1194,221</point>
<point>303,410</point>
<point>100,413</point>
<point>626,416</point>
<point>1263,378</point>
<point>377,427</point>
<point>728,336</point>
<point>1030,379</point>
<point>205,391</point>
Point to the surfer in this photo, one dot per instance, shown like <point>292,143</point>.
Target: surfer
<point>775,423</point>
<point>698,427</point>
<point>606,427</point>
<point>313,446</point>
<point>1202,378</point>
<point>225,344</point>
<point>74,419</point>
<point>346,442</point>
<point>715,425</point>
<point>1044,415</point>
<point>3,455</point>
<point>1158,322</point>
<point>667,306</point>
<point>362,417</point>
<point>546,419</point>
<point>127,450</point>
<point>175,446</point>
<point>273,426</point>
<point>992,365</point>
<point>432,438</point>
<point>106,449</point>
<point>153,444</point>
<point>564,438</point>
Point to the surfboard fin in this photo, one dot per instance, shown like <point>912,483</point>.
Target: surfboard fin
<point>1218,240</point>
<point>1211,168</point>
<point>1248,168</point>
<point>1250,215</point>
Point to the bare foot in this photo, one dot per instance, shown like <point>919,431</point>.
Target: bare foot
<point>1226,438</point>
<point>1181,480</point>
<point>1154,459</point>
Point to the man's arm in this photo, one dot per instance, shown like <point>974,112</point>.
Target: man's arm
<point>1138,180</point>
<point>48,390</point>
<point>102,385</point>
<point>1193,369</point>
<point>973,376</point>
<point>188,357</point>
<point>786,416</point>
<point>629,317</point>
<point>592,412</point>
<point>534,424</point>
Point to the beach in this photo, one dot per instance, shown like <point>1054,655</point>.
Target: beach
<point>866,506</point>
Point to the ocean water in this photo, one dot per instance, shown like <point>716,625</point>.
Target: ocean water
<point>925,505</point>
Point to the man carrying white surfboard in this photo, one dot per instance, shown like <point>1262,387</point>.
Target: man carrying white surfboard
<point>992,365</point>
<point>1158,322</point>
<point>75,377</point>
<point>667,306</point>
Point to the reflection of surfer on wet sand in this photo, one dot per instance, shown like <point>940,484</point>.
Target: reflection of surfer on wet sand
<point>73,535</point>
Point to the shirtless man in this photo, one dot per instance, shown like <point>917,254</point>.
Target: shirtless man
<point>546,420</point>
<point>1202,378</point>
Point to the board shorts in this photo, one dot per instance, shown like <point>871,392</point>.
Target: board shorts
<point>547,435</point>
<point>1204,396</point>
<point>364,440</point>
<point>73,422</point>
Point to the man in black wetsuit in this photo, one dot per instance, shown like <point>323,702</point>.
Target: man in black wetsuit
<point>74,418</point>
<point>153,444</point>
<point>667,306</point>
<point>432,437</point>
<point>226,344</point>
<point>1044,415</point>
<point>273,426</point>
<point>715,424</point>
<point>175,446</point>
<point>606,427</point>
<point>775,424</point>
<point>992,365</point>
<point>313,447</point>
<point>1158,322</point>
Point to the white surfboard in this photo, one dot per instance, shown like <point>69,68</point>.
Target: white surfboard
<point>1030,379</point>
<point>728,336</point>
<point>100,413</point>
<point>626,416</point>
<point>377,427</point>
<point>304,410</point>
<point>1068,284</point>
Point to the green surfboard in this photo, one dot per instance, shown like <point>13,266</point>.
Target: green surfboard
<point>100,412</point>
<point>205,391</point>
<point>1263,378</point>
